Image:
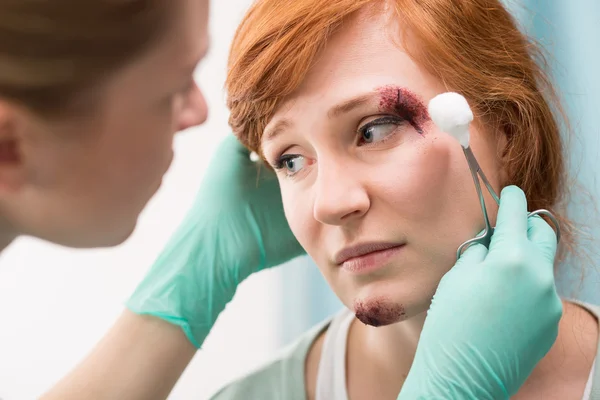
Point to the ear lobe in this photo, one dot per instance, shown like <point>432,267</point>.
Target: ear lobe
<point>11,162</point>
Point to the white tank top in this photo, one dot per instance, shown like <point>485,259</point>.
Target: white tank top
<point>331,377</point>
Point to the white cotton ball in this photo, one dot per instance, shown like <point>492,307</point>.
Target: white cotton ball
<point>452,114</point>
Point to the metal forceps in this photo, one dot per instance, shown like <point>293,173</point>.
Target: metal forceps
<point>485,237</point>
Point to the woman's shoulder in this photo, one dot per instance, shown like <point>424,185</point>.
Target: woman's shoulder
<point>568,370</point>
<point>593,309</point>
<point>583,319</point>
<point>280,378</point>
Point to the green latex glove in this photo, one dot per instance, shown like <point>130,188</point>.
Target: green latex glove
<point>236,227</point>
<point>494,315</point>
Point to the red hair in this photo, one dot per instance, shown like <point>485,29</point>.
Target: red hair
<point>472,46</point>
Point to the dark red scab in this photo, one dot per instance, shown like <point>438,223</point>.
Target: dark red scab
<point>379,312</point>
<point>404,104</point>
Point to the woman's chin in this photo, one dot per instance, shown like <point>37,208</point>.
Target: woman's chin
<point>379,311</point>
<point>381,305</point>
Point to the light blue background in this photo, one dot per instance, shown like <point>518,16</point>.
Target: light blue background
<point>570,33</point>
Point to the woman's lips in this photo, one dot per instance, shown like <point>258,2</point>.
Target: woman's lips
<point>367,257</point>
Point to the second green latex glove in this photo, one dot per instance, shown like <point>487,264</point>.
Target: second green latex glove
<point>494,315</point>
<point>236,227</point>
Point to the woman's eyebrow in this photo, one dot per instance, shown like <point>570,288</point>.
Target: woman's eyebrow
<point>351,104</point>
<point>277,128</point>
<point>337,110</point>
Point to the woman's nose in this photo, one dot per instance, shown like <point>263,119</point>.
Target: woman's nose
<point>341,197</point>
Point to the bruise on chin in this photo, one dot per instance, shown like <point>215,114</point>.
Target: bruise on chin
<point>379,312</point>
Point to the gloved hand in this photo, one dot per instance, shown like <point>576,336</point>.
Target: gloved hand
<point>236,227</point>
<point>494,315</point>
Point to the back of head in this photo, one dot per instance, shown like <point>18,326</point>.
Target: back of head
<point>52,51</point>
<point>473,46</point>
<point>91,94</point>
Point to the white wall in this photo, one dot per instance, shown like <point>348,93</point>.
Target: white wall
<point>56,303</point>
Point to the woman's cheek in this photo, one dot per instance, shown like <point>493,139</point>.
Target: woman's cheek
<point>297,212</point>
<point>417,180</point>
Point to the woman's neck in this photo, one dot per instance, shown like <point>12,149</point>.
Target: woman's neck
<point>378,359</point>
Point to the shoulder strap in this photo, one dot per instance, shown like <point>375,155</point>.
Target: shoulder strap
<point>331,376</point>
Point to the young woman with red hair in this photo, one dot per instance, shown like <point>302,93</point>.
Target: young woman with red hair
<point>333,95</point>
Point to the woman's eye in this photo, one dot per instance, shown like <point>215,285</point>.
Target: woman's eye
<point>291,163</point>
<point>379,129</point>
